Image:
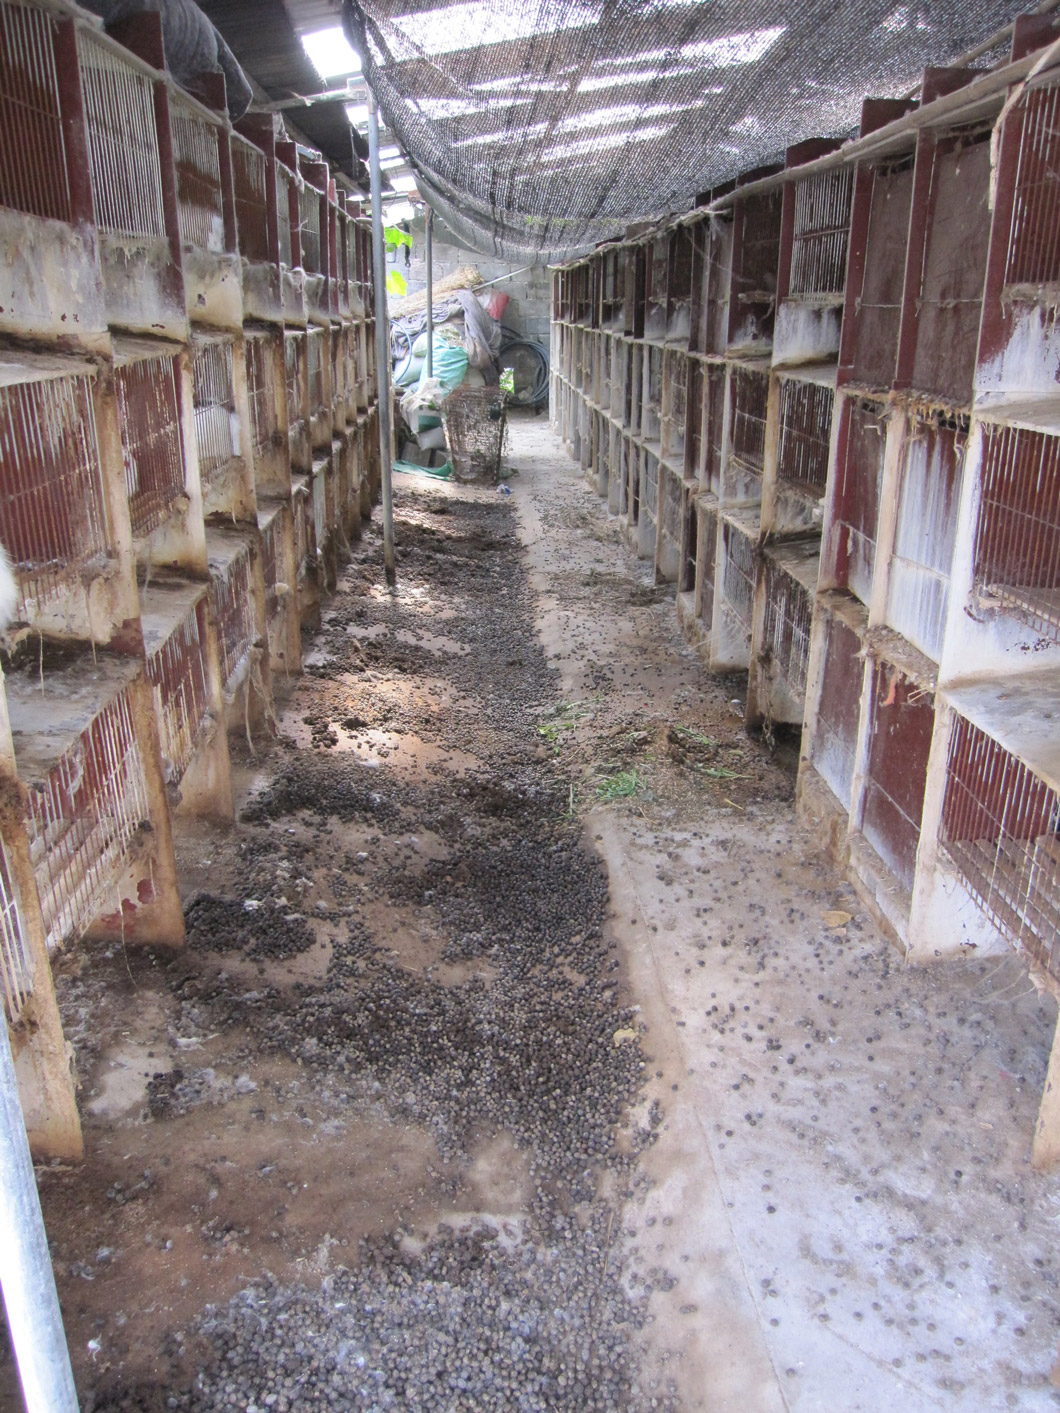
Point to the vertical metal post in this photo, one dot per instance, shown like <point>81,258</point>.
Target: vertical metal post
<point>382,342</point>
<point>32,1306</point>
<point>430,294</point>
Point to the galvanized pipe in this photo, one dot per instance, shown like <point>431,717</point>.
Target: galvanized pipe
<point>382,343</point>
<point>430,294</point>
<point>32,1306</point>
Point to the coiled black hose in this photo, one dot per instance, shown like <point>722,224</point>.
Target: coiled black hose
<point>537,392</point>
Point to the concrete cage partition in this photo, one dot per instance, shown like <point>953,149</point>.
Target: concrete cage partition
<point>187,410</point>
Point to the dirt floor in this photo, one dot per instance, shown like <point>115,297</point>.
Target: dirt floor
<point>526,1055</point>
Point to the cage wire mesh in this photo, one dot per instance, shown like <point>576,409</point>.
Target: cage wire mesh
<point>551,126</point>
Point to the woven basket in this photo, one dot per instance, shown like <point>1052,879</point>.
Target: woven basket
<point>476,421</point>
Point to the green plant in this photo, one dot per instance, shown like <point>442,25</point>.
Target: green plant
<point>621,786</point>
<point>696,736</point>
<point>562,718</point>
<point>395,237</point>
<point>396,283</point>
<point>508,380</point>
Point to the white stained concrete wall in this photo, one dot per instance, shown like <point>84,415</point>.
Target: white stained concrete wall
<point>530,292</point>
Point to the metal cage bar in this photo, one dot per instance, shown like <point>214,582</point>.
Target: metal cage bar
<point>1017,538</point>
<point>249,194</point>
<point>151,441</point>
<point>999,829</point>
<point>16,963</point>
<point>235,616</point>
<point>122,141</point>
<point>822,226</point>
<point>738,574</point>
<point>33,167</point>
<point>177,672</point>
<point>82,818</point>
<point>805,431</point>
<point>261,389</point>
<point>51,490</point>
<point>750,395</point>
<point>309,227</point>
<point>197,161</point>
<point>788,614</point>
<point>214,406</point>
<point>1033,256</point>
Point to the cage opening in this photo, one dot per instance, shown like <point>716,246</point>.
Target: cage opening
<point>786,629</point>
<point>122,141</point>
<point>216,426</point>
<point>82,819</point>
<point>51,489</point>
<point>738,574</point>
<point>177,673</point>
<point>249,193</point>
<point>197,164</point>
<point>805,434</point>
<point>151,440</point>
<point>1017,539</point>
<point>16,962</point>
<point>33,165</point>
<point>821,230</point>
<point>233,596</point>
<point>999,830</point>
<point>261,391</point>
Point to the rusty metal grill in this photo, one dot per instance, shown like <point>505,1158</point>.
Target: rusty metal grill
<point>177,673</point>
<point>272,560</point>
<point>715,424</point>
<point>309,228</point>
<point>839,710</point>
<point>822,225</point>
<point>805,430</point>
<point>284,183</point>
<point>82,818</point>
<point>122,141</point>
<point>197,163</point>
<point>16,963</point>
<point>671,506</point>
<point>235,616</point>
<point>750,393</point>
<point>305,550</point>
<point>248,190</point>
<point>708,548</point>
<point>902,724</point>
<point>33,173</point>
<point>315,370</point>
<point>51,492</point>
<point>1034,237</point>
<point>693,418</point>
<point>788,611</point>
<point>649,483</point>
<point>738,574</point>
<point>1017,541</point>
<point>859,472</point>
<point>999,828</point>
<point>151,442</point>
<point>261,389</point>
<point>294,367</point>
<point>214,404</point>
<point>926,525</point>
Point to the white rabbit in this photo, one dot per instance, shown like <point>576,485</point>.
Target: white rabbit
<point>10,598</point>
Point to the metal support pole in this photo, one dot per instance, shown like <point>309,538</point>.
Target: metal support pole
<point>382,343</point>
<point>32,1306</point>
<point>430,294</point>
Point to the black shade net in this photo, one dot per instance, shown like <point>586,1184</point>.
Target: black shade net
<point>545,128</point>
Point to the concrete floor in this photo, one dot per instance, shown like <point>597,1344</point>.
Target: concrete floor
<point>837,1210</point>
<point>842,1183</point>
